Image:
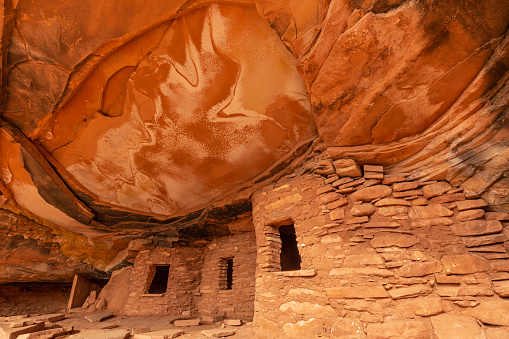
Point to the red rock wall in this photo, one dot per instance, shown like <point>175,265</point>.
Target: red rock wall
<point>380,259</point>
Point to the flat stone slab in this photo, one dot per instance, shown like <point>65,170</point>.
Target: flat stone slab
<point>33,320</point>
<point>233,322</point>
<point>95,318</point>
<point>218,333</point>
<point>477,227</point>
<point>186,322</point>
<point>12,333</point>
<point>47,334</point>
<point>161,334</point>
<point>111,334</point>
<point>398,240</point>
<point>50,317</point>
<point>471,204</point>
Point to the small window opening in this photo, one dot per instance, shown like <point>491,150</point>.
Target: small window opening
<point>290,257</point>
<point>159,283</point>
<point>226,274</point>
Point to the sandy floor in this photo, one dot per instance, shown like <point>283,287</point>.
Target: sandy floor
<point>153,323</point>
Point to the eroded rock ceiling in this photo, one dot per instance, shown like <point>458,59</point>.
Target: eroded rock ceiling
<point>131,118</point>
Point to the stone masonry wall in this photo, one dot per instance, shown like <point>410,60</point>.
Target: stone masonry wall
<point>237,302</point>
<point>382,257</point>
<point>183,281</point>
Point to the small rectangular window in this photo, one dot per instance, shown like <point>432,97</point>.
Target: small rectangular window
<point>290,257</point>
<point>159,283</point>
<point>226,274</point>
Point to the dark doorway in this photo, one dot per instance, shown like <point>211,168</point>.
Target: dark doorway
<point>290,257</point>
<point>159,283</point>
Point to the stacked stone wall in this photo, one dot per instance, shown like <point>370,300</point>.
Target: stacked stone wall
<point>195,281</point>
<point>382,257</point>
<point>237,302</point>
<point>183,281</point>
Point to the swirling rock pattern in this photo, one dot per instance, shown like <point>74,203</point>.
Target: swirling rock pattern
<point>167,116</point>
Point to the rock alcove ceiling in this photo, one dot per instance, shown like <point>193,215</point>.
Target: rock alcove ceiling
<point>131,120</point>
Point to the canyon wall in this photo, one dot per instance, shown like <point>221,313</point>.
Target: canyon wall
<point>129,125</point>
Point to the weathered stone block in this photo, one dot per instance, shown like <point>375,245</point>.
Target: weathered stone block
<point>371,193</point>
<point>501,288</point>
<point>477,227</point>
<point>470,215</point>
<point>420,269</point>
<point>47,334</point>
<point>475,290</point>
<point>186,322</point>
<point>373,168</point>
<point>299,273</point>
<point>357,220</point>
<point>484,240</point>
<point>325,189</point>
<point>448,198</point>
<point>288,200</point>
<point>420,201</point>
<point>373,175</point>
<point>218,332</point>
<point>392,210</point>
<point>361,271</point>
<point>382,224</point>
<point>347,327</point>
<point>362,210</point>
<point>337,203</point>
<point>405,194</point>
<point>232,322</point>
<point>436,189</point>
<point>429,211</point>
<point>347,168</point>
<point>464,264</point>
<point>389,180</point>
<point>398,329</point>
<point>12,333</point>
<point>425,307</point>
<point>331,238</point>
<point>161,334</point>
<point>342,181</point>
<point>392,202</point>
<point>491,312</point>
<point>306,308</point>
<point>432,222</point>
<point>409,292</point>
<point>95,318</point>
<point>311,328</point>
<point>500,266</point>
<point>448,326</point>
<point>327,198</point>
<point>404,186</point>
<point>337,214</point>
<point>496,216</point>
<point>362,260</point>
<point>398,240</point>
<point>471,204</point>
<point>359,292</point>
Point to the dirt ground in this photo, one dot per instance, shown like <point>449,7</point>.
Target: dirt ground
<point>153,323</point>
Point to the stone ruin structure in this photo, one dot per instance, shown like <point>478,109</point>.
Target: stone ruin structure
<point>321,168</point>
